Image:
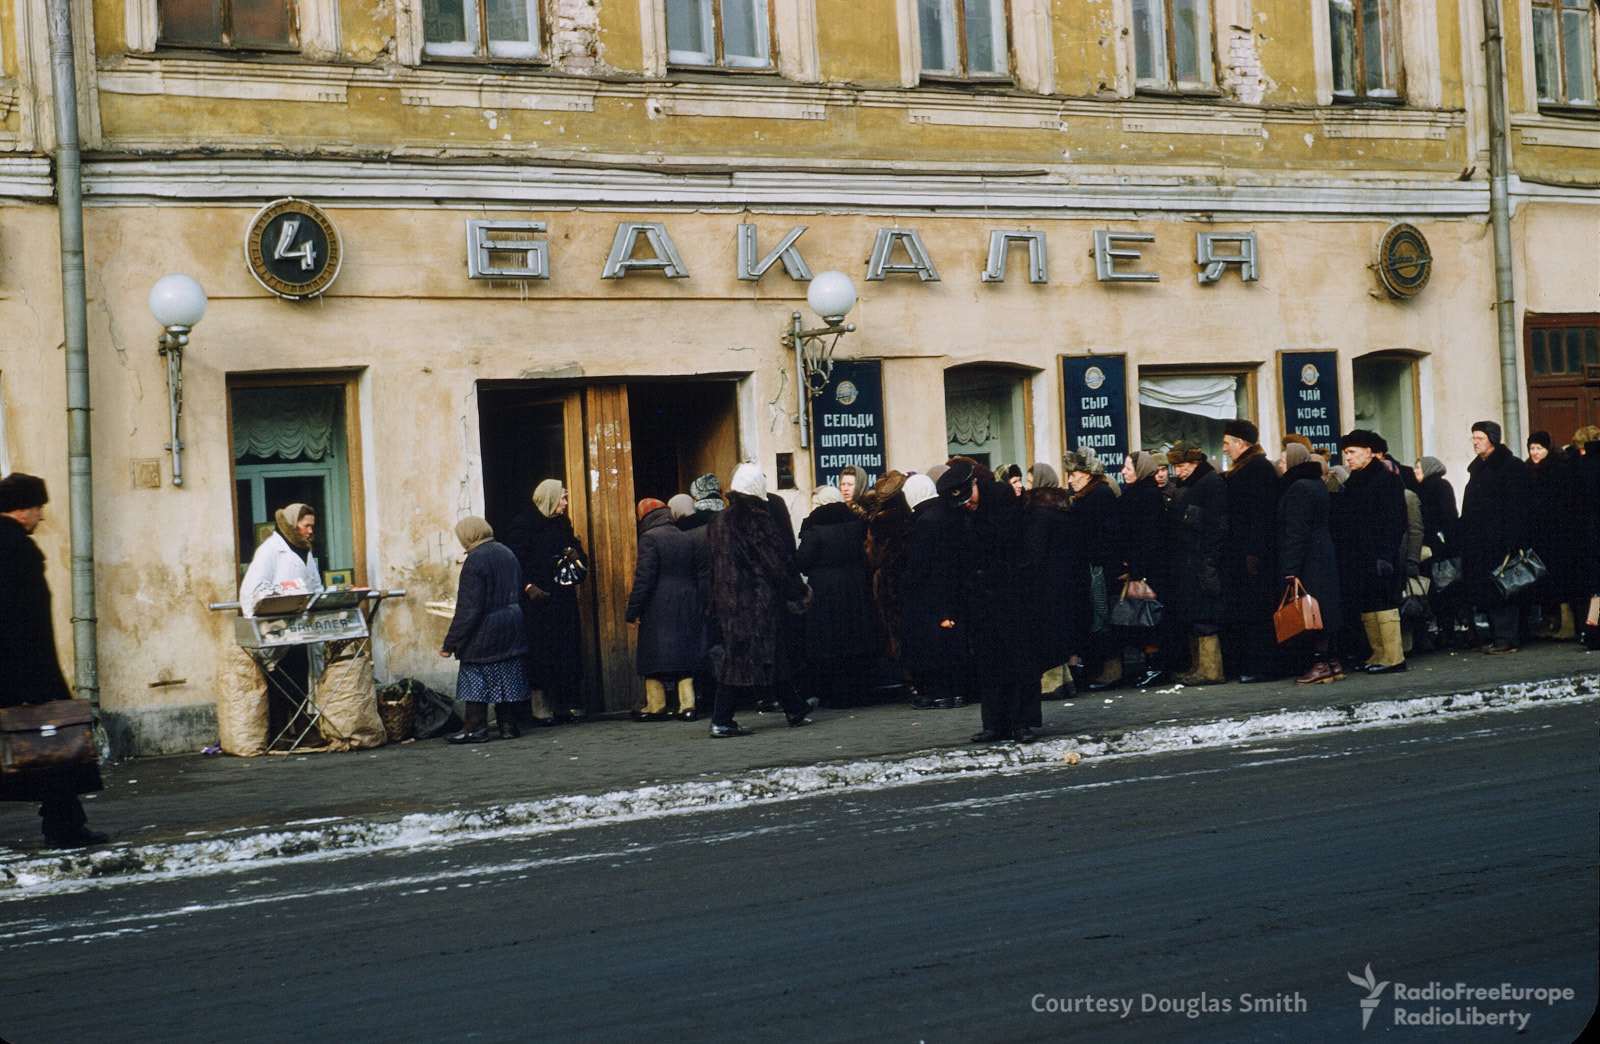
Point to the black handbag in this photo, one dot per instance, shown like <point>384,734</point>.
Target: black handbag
<point>1517,573</point>
<point>1137,607</point>
<point>1446,572</point>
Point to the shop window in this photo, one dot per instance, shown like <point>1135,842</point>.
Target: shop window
<point>292,445</point>
<point>228,24</point>
<point>1365,36</point>
<point>1192,407</point>
<point>964,38</point>
<point>986,416</point>
<point>1564,52</point>
<point>1172,45</point>
<point>733,34</point>
<point>1385,387</point>
<point>481,28</point>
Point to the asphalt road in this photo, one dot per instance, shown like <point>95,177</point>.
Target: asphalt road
<point>1458,851</point>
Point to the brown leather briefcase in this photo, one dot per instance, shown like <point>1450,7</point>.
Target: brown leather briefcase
<point>39,736</point>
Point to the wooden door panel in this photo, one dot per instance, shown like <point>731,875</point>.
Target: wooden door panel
<point>613,541</point>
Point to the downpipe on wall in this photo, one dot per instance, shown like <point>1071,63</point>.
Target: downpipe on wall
<point>1505,299</point>
<point>74,316</point>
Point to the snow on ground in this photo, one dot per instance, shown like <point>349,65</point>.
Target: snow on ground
<point>26,874</point>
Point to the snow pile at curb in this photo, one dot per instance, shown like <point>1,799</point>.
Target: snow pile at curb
<point>31,874</point>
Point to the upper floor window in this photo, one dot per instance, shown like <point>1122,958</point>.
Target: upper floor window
<point>735,34</point>
<point>1172,44</point>
<point>964,38</point>
<point>1366,48</point>
<point>481,28</point>
<point>244,24</point>
<point>1563,51</point>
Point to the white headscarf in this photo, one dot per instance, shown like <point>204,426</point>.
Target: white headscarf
<point>919,488</point>
<point>748,479</point>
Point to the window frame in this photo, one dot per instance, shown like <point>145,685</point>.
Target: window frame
<point>483,49</point>
<point>1248,374</point>
<point>1362,95</point>
<point>1172,84</point>
<point>225,43</point>
<point>962,73</point>
<point>1564,102</point>
<point>719,61</point>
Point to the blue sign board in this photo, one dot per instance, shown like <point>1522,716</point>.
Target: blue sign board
<point>1094,397</point>
<point>847,422</point>
<point>1310,383</point>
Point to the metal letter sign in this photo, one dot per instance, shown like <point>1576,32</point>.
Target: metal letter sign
<point>292,249</point>
<point>1106,257</point>
<point>1094,393</point>
<point>665,257</point>
<point>1000,241</point>
<point>485,239</point>
<point>1213,264</point>
<point>1310,383</point>
<point>847,419</point>
<point>793,263</point>
<point>919,265</point>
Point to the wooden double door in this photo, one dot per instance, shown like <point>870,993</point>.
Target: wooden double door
<point>1563,367</point>
<point>611,444</point>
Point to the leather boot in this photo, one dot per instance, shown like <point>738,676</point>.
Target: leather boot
<point>1110,675</point>
<point>1568,629</point>
<point>475,729</point>
<point>686,711</point>
<point>1369,624</point>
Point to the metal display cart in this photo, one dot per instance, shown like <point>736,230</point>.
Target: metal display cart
<point>340,620</point>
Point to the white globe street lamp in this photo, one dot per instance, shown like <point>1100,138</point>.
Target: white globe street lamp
<point>831,295</point>
<point>178,302</point>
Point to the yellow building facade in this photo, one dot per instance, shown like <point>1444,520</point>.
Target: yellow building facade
<point>563,249</point>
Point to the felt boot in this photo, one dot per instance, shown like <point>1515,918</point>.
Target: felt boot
<point>1567,629</point>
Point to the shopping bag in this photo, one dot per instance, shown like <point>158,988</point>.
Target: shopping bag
<point>1414,605</point>
<point>1446,572</point>
<point>1517,573</point>
<point>1137,606</point>
<point>1297,612</point>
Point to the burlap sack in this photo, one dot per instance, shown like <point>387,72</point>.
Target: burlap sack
<point>349,704</point>
<point>241,705</point>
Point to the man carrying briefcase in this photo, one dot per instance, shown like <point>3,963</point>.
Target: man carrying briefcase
<point>29,671</point>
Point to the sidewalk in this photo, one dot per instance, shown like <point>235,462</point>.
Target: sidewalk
<point>188,796</point>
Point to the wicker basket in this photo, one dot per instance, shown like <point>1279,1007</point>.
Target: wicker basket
<point>399,714</point>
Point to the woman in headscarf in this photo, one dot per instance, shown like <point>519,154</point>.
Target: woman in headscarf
<point>853,486</point>
<point>284,563</point>
<point>670,583</point>
<point>486,634</point>
<point>553,564</point>
<point>1094,509</point>
<point>1556,502</point>
<point>888,536</point>
<point>1306,553</point>
<point>1053,625</point>
<point>841,624</point>
<point>1144,556</point>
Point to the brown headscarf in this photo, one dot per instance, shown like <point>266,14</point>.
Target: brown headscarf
<point>1145,464</point>
<point>1043,476</point>
<point>1294,455</point>
<point>547,496</point>
<point>473,531</point>
<point>288,519</point>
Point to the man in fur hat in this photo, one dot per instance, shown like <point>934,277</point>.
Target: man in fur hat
<point>29,670</point>
<point>1370,529</point>
<point>1197,524</point>
<point>1249,556</point>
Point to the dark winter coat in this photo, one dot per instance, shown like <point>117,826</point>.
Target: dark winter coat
<point>1494,519</point>
<point>1250,571</point>
<point>934,587</point>
<point>1305,541</point>
<point>671,582</point>
<point>1054,590</point>
<point>1369,526</point>
<point>752,581</point>
<point>1439,516</point>
<point>1555,500</point>
<point>555,641</point>
<point>1588,467</point>
<point>995,585</point>
<point>842,619</point>
<point>1140,510</point>
<point>1197,525</point>
<point>696,526</point>
<point>487,626</point>
<point>888,541</point>
<point>29,670</point>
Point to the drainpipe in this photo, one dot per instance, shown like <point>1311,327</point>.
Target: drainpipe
<point>1505,299</point>
<point>74,309</point>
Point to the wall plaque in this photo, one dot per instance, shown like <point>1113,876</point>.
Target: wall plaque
<point>293,249</point>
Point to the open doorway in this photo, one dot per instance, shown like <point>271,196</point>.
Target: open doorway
<point>681,430</point>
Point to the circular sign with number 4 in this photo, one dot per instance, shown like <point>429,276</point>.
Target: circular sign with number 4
<point>293,249</point>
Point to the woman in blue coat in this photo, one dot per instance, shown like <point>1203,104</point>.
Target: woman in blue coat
<point>486,633</point>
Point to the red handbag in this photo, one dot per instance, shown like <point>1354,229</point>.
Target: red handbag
<point>1297,613</point>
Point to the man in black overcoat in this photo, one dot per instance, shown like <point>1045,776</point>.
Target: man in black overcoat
<point>1197,526</point>
<point>1249,552</point>
<point>1369,531</point>
<point>1494,524</point>
<point>29,671</point>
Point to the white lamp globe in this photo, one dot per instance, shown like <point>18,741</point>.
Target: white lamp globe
<point>177,300</point>
<point>831,295</point>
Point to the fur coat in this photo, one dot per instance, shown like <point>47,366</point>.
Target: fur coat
<point>753,580</point>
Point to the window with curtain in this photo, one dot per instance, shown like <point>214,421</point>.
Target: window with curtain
<point>1191,407</point>
<point>228,24</point>
<point>733,34</point>
<point>965,38</point>
<point>1365,35</point>
<point>481,28</point>
<point>1563,51</point>
<point>1172,44</point>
